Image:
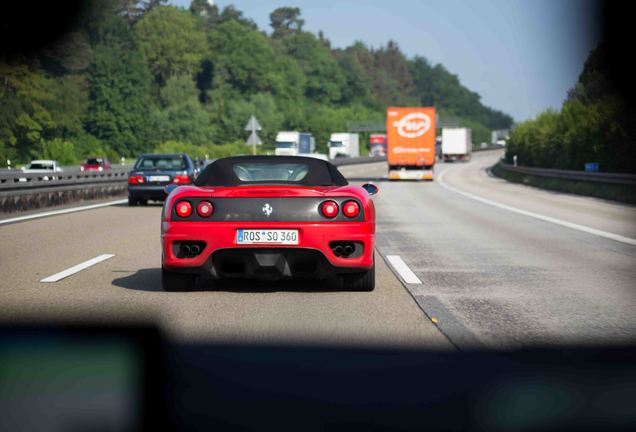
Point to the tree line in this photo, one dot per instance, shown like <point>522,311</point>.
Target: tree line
<point>139,76</point>
<point>595,124</point>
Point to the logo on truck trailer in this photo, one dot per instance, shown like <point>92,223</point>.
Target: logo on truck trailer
<point>413,125</point>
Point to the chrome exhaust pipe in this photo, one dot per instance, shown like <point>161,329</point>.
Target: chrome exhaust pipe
<point>337,250</point>
<point>185,249</point>
<point>195,249</point>
<point>348,250</point>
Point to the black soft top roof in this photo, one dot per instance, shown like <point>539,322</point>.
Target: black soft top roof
<point>221,172</point>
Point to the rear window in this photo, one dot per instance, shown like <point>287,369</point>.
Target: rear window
<point>40,166</point>
<point>275,172</point>
<point>94,161</point>
<point>161,163</point>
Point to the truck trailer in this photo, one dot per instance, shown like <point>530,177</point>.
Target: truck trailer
<point>377,145</point>
<point>344,144</point>
<point>411,142</point>
<point>294,143</point>
<point>457,144</point>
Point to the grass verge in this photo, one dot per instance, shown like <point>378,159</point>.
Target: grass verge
<point>609,191</point>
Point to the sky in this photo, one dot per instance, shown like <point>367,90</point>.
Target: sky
<point>521,56</point>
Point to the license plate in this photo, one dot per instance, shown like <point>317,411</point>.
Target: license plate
<point>267,236</point>
<point>411,174</point>
<point>158,178</point>
<point>408,174</point>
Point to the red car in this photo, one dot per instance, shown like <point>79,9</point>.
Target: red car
<point>269,217</point>
<point>95,164</point>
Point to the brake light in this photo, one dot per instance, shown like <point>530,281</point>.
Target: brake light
<point>205,209</point>
<point>181,179</point>
<point>329,209</point>
<point>183,209</point>
<point>351,209</point>
<point>135,179</point>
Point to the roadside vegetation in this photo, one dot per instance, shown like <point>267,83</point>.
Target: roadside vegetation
<point>139,76</point>
<point>595,124</point>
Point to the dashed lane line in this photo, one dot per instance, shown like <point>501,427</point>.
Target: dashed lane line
<point>403,270</point>
<point>77,268</point>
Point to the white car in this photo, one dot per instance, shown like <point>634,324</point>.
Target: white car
<point>42,166</point>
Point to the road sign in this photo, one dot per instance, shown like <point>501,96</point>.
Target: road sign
<point>591,167</point>
<point>253,139</point>
<point>252,125</point>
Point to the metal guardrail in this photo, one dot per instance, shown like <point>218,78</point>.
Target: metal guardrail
<point>598,177</point>
<point>490,147</point>
<point>17,180</point>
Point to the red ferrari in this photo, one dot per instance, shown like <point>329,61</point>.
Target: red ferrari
<point>269,217</point>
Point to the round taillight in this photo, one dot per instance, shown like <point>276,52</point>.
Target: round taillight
<point>351,209</point>
<point>205,208</point>
<point>329,209</point>
<point>183,209</point>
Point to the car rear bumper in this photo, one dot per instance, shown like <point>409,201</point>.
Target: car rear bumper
<point>147,192</point>
<point>221,256</point>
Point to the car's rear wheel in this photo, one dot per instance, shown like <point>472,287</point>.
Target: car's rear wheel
<point>364,281</point>
<point>172,281</point>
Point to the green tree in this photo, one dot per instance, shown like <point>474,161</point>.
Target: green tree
<point>68,104</point>
<point>594,125</point>
<point>24,120</point>
<point>119,88</point>
<point>357,82</point>
<point>286,21</point>
<point>242,58</point>
<point>171,42</point>
<point>209,13</point>
<point>230,13</point>
<point>324,79</point>
<point>57,149</point>
<point>182,118</point>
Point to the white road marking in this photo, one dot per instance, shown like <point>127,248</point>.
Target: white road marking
<point>63,211</point>
<point>583,228</point>
<point>403,270</point>
<point>77,268</point>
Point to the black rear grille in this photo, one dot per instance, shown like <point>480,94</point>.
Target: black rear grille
<point>269,263</point>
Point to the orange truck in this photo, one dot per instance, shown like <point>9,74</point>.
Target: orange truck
<point>411,142</point>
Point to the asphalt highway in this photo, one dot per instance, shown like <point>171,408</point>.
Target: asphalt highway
<point>478,269</point>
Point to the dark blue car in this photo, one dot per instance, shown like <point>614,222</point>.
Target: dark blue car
<point>153,172</point>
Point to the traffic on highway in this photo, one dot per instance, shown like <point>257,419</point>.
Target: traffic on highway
<point>376,248</point>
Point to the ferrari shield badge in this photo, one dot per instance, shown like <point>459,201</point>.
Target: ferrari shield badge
<point>267,209</point>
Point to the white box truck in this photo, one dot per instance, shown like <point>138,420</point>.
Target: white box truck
<point>457,144</point>
<point>344,144</point>
<point>294,144</point>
